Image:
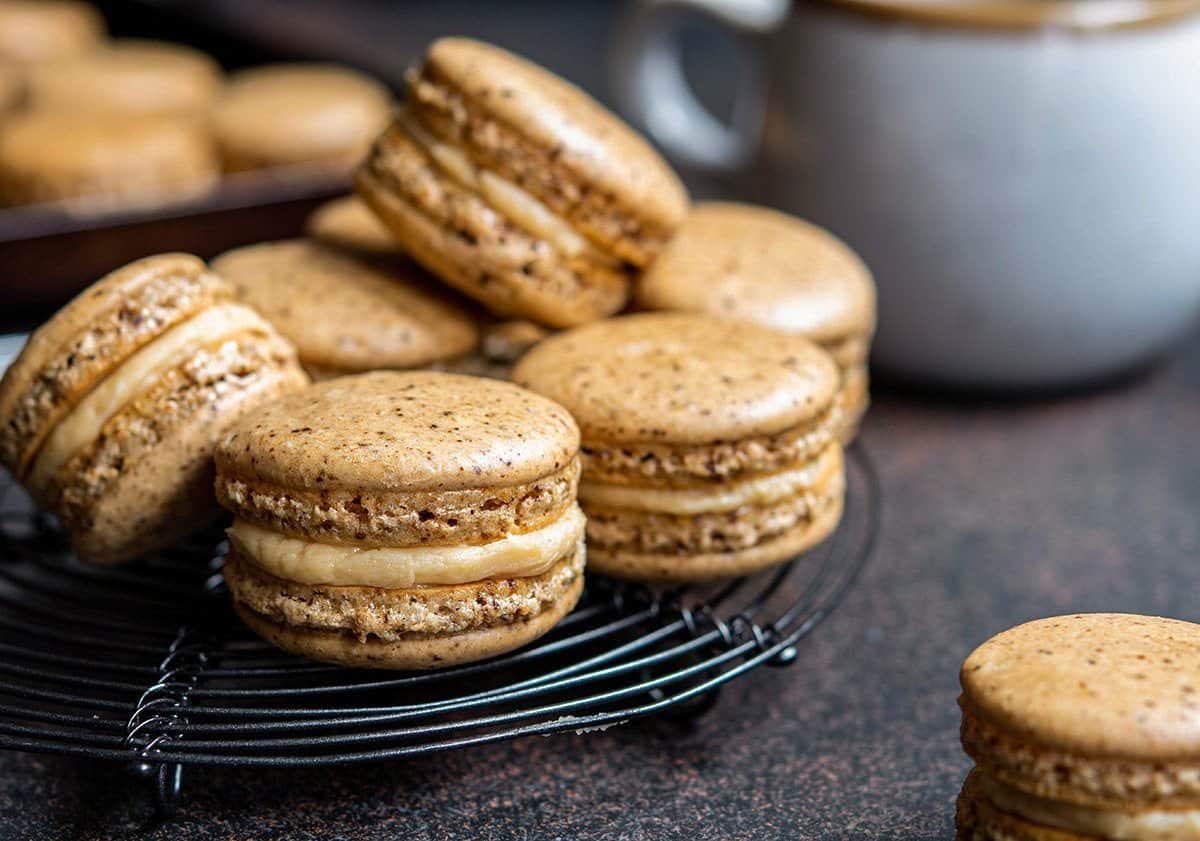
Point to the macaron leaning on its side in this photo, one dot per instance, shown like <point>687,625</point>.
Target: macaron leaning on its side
<point>519,189</point>
<point>403,520</point>
<point>110,414</point>
<point>346,314</point>
<point>1083,728</point>
<point>757,264</point>
<point>709,445</point>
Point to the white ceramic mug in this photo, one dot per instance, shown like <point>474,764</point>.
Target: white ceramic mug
<point>1022,177</point>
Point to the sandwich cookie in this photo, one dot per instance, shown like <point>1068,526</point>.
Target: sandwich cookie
<point>102,162</point>
<point>1083,727</point>
<point>403,520</point>
<point>283,114</point>
<point>128,77</point>
<point>519,189</point>
<point>110,414</point>
<point>756,264</point>
<point>348,224</point>
<point>710,446</point>
<point>42,30</point>
<point>346,314</point>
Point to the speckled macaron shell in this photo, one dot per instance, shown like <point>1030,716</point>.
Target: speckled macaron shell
<point>402,458</point>
<point>546,135</point>
<point>92,335</point>
<point>100,162</point>
<point>1099,709</point>
<point>347,223</point>
<point>128,76</point>
<point>680,378</point>
<point>40,30</point>
<point>315,114</point>
<point>346,314</point>
<point>761,265</point>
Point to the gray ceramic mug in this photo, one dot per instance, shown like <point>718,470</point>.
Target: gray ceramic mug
<point>1023,176</point>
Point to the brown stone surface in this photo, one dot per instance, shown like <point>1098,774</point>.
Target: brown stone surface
<point>995,512</point>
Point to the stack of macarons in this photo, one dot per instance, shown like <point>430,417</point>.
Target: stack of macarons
<point>1083,728</point>
<point>402,518</point>
<point>98,125</point>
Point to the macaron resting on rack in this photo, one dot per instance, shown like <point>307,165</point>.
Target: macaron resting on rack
<point>147,665</point>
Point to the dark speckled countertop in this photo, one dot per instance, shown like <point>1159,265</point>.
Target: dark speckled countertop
<point>995,513</point>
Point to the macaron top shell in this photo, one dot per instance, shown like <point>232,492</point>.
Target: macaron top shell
<point>1103,685</point>
<point>577,134</point>
<point>680,378</point>
<point>402,432</point>
<point>347,313</point>
<point>761,265</point>
<point>90,336</point>
<point>349,224</point>
<point>39,30</point>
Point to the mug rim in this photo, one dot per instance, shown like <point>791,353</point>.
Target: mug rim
<point>1070,15</point>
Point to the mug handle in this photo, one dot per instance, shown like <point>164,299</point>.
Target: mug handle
<point>653,90</point>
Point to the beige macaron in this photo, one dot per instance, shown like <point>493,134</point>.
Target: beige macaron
<point>403,520</point>
<point>110,414</point>
<point>710,445</point>
<point>347,314</point>
<point>518,188</point>
<point>349,224</point>
<point>12,89</point>
<point>757,264</point>
<point>1083,727</point>
<point>32,31</point>
<point>101,162</point>
<point>128,77</point>
<point>283,114</point>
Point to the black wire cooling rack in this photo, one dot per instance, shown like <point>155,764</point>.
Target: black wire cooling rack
<point>148,665</point>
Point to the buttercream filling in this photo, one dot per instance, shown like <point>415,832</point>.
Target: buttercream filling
<point>132,377</point>
<point>1113,824</point>
<point>515,204</point>
<point>396,567</point>
<point>717,498</point>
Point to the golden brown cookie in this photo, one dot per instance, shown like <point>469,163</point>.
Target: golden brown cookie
<point>349,224</point>
<point>347,314</point>
<point>128,77</point>
<point>110,413</point>
<point>32,31</point>
<point>1083,727</point>
<point>283,114</point>
<point>519,189</point>
<point>757,264</point>
<point>710,445</point>
<point>403,520</point>
<point>101,162</point>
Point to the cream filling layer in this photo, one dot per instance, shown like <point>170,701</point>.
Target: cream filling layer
<point>514,203</point>
<point>132,377</point>
<point>726,496</point>
<point>395,567</point>
<point>1116,825</point>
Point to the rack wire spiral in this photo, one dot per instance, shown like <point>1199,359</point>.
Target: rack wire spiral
<point>147,664</point>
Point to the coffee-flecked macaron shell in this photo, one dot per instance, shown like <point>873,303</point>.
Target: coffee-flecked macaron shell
<point>1093,685</point>
<point>758,264</point>
<point>680,378</point>
<point>349,314</point>
<point>403,432</point>
<point>603,153</point>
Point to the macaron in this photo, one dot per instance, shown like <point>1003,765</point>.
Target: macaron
<point>346,314</point>
<point>110,414</point>
<point>349,224</point>
<point>518,188</point>
<point>128,76</point>
<point>1083,727</point>
<point>101,162</point>
<point>709,445</point>
<point>323,115</point>
<point>12,89</point>
<point>403,520</point>
<point>753,263</point>
<point>40,30</point>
